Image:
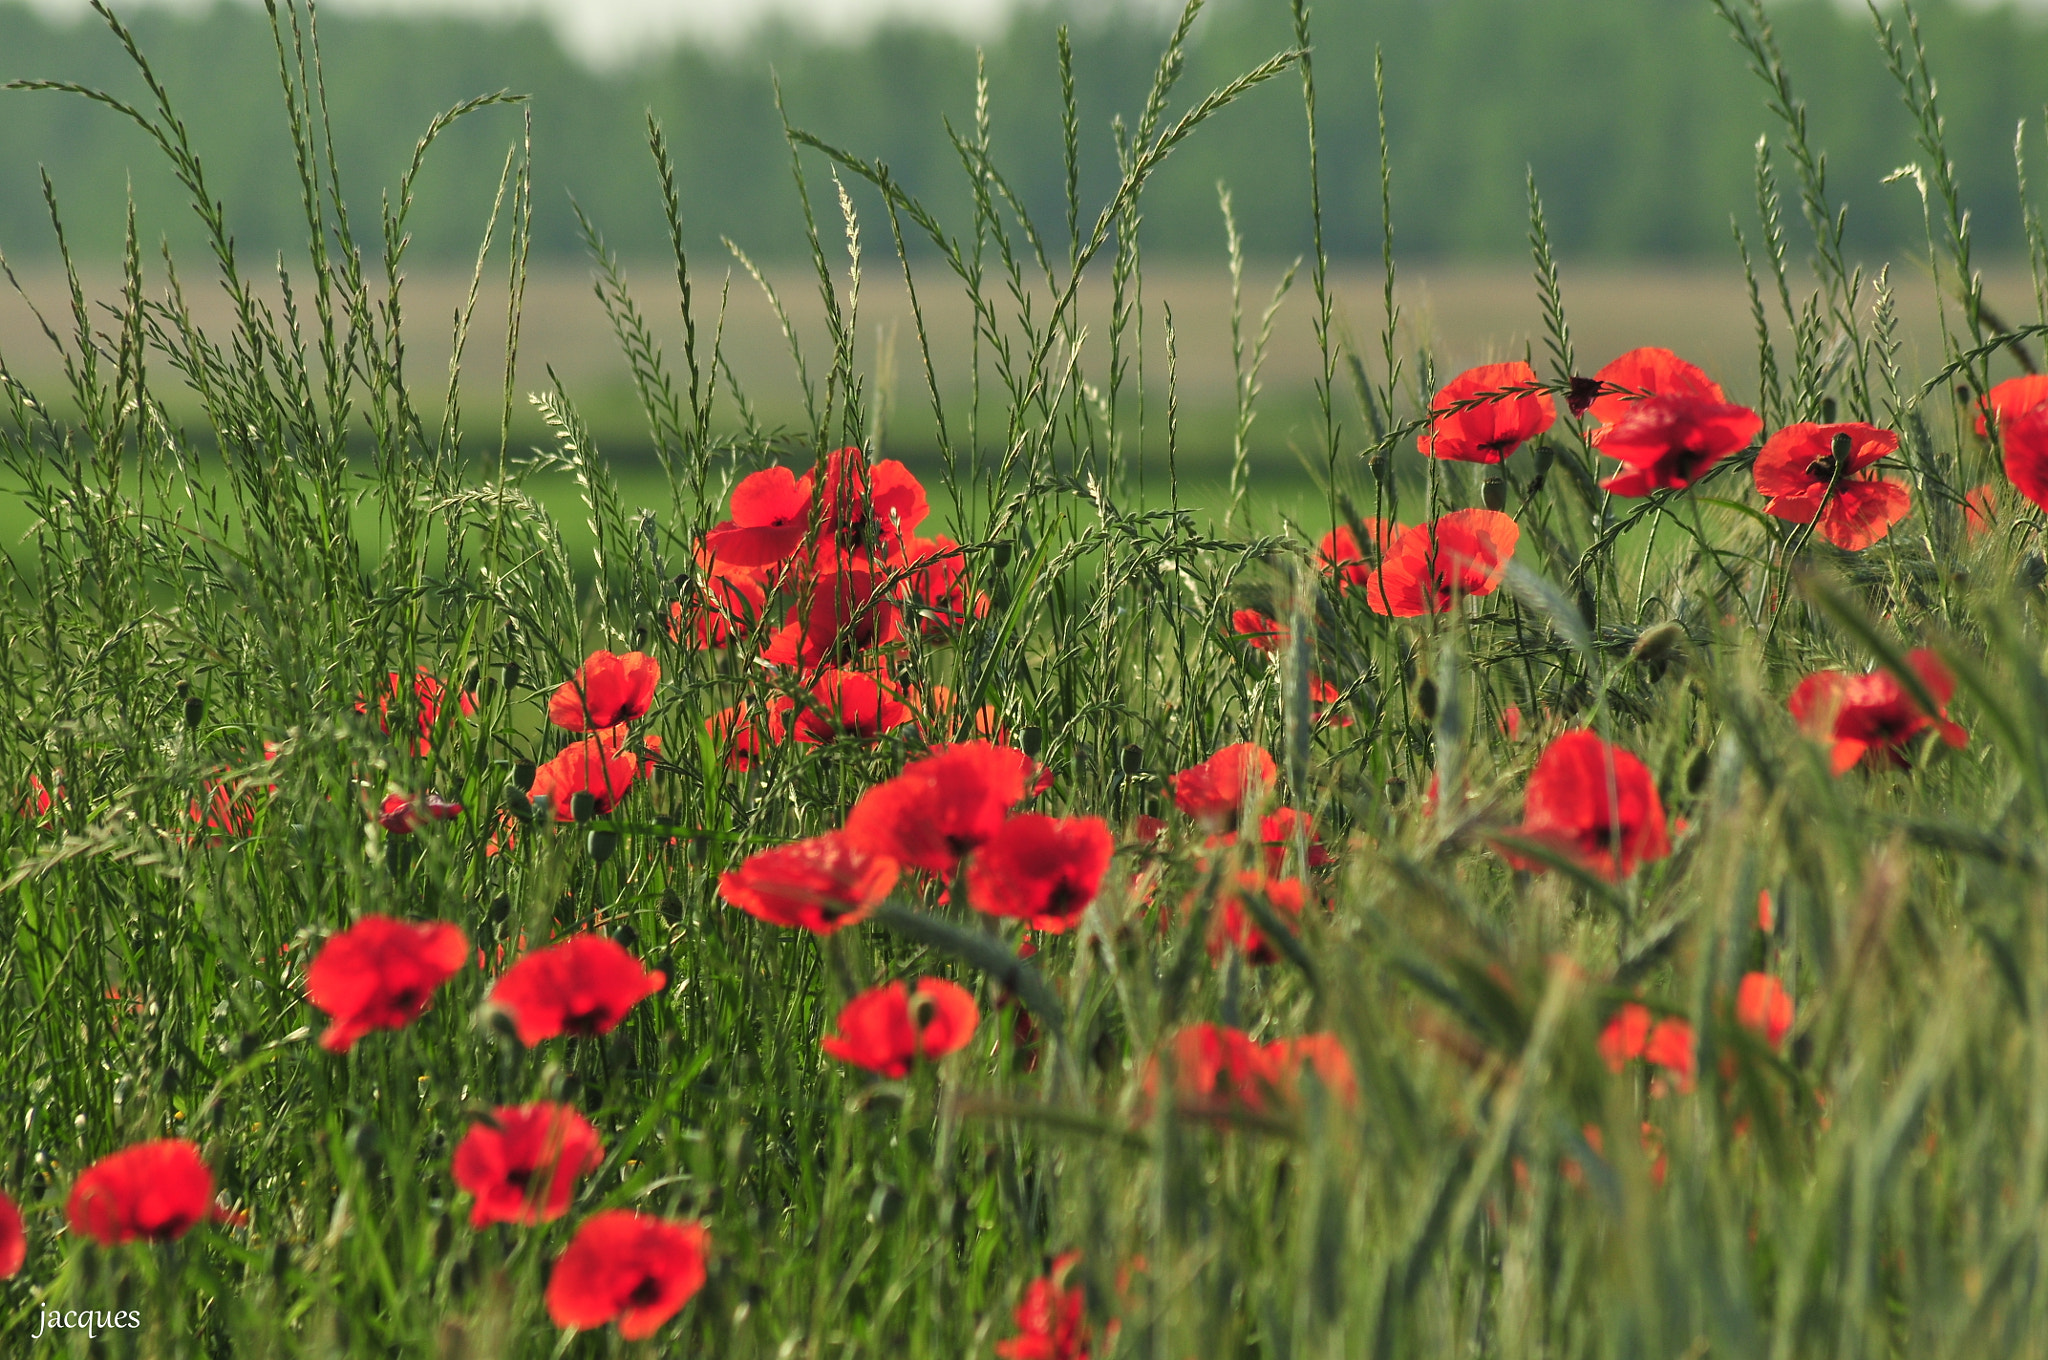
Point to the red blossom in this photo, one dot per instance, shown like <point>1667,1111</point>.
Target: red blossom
<point>1044,870</point>
<point>821,885</point>
<point>887,1028</point>
<point>1671,1047</point>
<point>1644,373</point>
<point>725,604</point>
<point>1341,555</point>
<point>2011,398</point>
<point>1324,1055</point>
<point>858,503</point>
<point>838,615</point>
<point>744,729</point>
<point>523,1162</point>
<point>1234,924</point>
<point>1763,1006</point>
<point>852,704</point>
<point>633,1269</point>
<point>1215,792</point>
<point>771,511</point>
<point>13,1241</point>
<point>936,578</point>
<point>1622,1041</point>
<point>1216,1067</point>
<point>1872,717</point>
<point>1052,1318</point>
<point>606,690</point>
<point>941,807</point>
<point>1260,631</point>
<point>380,973</point>
<point>582,986</point>
<point>1808,481</point>
<point>400,815</point>
<point>427,693</point>
<point>593,766</point>
<point>1430,567</point>
<point>1668,1043</point>
<point>1980,509</point>
<point>1668,442</point>
<point>157,1191</point>
<point>1501,408</point>
<point>1595,803</point>
<point>2025,436</point>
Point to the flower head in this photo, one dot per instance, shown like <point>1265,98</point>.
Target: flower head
<point>594,765</point>
<point>400,815</point>
<point>1486,413</point>
<point>13,1241</point>
<point>1341,554</point>
<point>1052,1318</point>
<point>606,690</point>
<point>771,510</point>
<point>853,704</point>
<point>1430,567</point>
<point>155,1190</point>
<point>1214,792</point>
<point>2025,437</point>
<point>1595,803</point>
<point>1235,925</point>
<point>2011,398</point>
<point>380,973</point>
<point>633,1269</point>
<point>1045,870</point>
<point>941,807</point>
<point>1262,632</point>
<point>427,693</point>
<point>821,885</point>
<point>584,985</point>
<point>1668,442</point>
<point>522,1164</point>
<point>887,1028</point>
<point>1821,475</point>
<point>1764,1006</point>
<point>1644,373</point>
<point>1871,717</point>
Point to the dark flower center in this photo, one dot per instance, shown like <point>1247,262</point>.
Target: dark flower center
<point>647,1292</point>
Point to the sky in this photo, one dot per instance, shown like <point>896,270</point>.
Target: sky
<point>606,31</point>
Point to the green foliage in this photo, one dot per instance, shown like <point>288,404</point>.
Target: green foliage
<point>196,613</point>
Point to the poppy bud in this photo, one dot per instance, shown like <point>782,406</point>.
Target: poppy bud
<point>1840,447</point>
<point>363,1143</point>
<point>1032,739</point>
<point>195,707</point>
<point>510,674</point>
<point>1589,609</point>
<point>1425,700</point>
<point>246,1046</point>
<point>628,939</point>
<point>1544,455</point>
<point>1133,761</point>
<point>280,1260</point>
<point>471,678</point>
<point>1397,792</point>
<point>517,803</point>
<point>582,805</point>
<point>1379,467</point>
<point>167,1080</point>
<point>671,908</point>
<point>999,554</point>
<point>2033,571</point>
<point>885,1205</point>
<point>1963,394</point>
<point>501,1023</point>
<point>1696,772</point>
<point>1655,644</point>
<point>600,844</point>
<point>1827,410</point>
<point>1493,493</point>
<point>501,907</point>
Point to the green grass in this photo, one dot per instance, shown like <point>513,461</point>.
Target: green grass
<point>175,601</point>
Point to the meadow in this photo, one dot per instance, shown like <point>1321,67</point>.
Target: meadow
<point>1023,817</point>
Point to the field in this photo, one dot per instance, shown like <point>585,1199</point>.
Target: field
<point>974,845</point>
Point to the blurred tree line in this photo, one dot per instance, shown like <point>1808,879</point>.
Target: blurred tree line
<point>1638,117</point>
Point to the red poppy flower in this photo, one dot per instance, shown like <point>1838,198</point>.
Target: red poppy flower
<point>380,973</point>
<point>1671,1047</point>
<point>427,693</point>
<point>1642,373</point>
<point>1259,631</point>
<point>1873,715</point>
<point>590,766</point>
<point>2011,398</point>
<point>400,815</point>
<point>936,578</point>
<point>858,503</point>
<point>1321,695</point>
<point>1485,413</point>
<point>1052,1318</point>
<point>821,885</point>
<point>726,603</point>
<point>633,1269</point>
<point>771,510</point>
<point>1667,442</point>
<point>839,615</point>
<point>744,729</point>
<point>1214,792</point>
<point>584,985</point>
<point>1341,555</point>
<point>1622,1041</point>
<point>1763,1005</point>
<point>885,1029</point>
<point>1596,803</point>
<point>1511,722</point>
<point>37,801</point>
<point>157,1190</point>
<point>1766,912</point>
<point>1276,837</point>
<point>852,704</point>
<point>1322,1054</point>
<point>523,1163</point>
<point>941,807</point>
<point>2025,436</point>
<point>1808,482</point>
<point>13,1241</point>
<point>1217,1067</point>
<point>1234,924</point>
<point>606,690</point>
<point>1431,566</point>
<point>1045,870</point>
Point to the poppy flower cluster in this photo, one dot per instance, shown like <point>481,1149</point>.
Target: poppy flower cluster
<point>836,555</point>
<point>591,775</point>
<point>1595,804</point>
<point>1265,634</point>
<point>1052,1318</point>
<point>1764,1007</point>
<point>425,700</point>
<point>1218,1068</point>
<point>1428,568</point>
<point>1666,1042</point>
<point>887,1029</point>
<point>1869,719</point>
